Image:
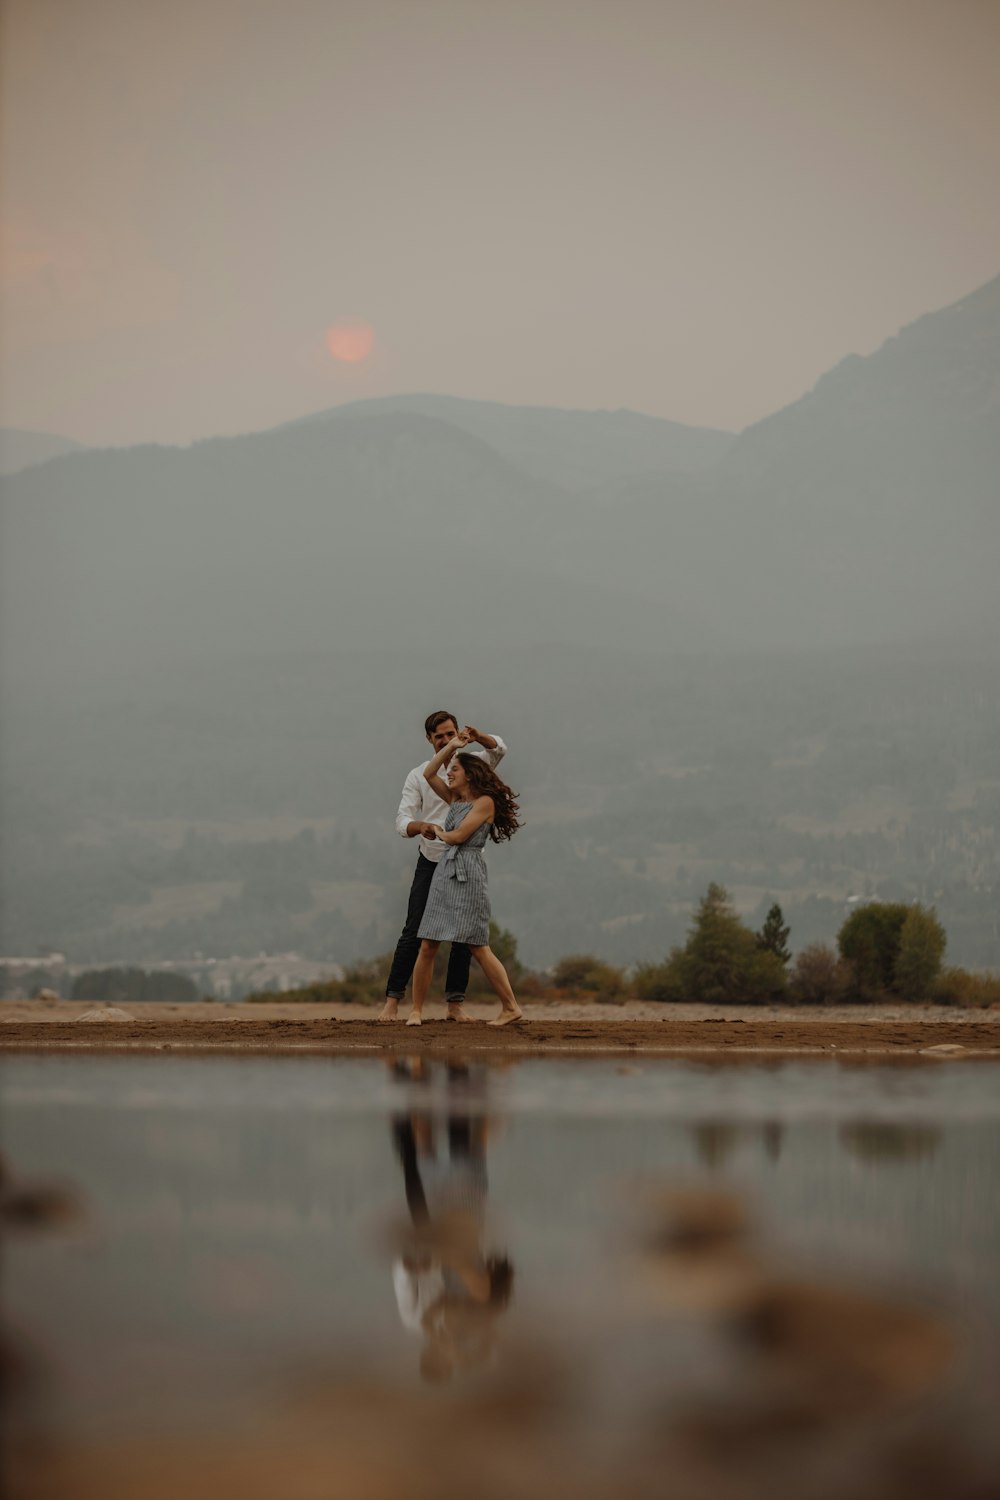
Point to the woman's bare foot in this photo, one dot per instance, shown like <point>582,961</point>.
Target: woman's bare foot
<point>456,1012</point>
<point>413,1019</point>
<point>390,1010</point>
<point>507,1016</point>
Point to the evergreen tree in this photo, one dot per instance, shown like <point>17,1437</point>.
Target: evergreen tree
<point>721,962</point>
<point>773,936</point>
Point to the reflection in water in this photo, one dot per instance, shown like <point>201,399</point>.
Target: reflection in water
<point>773,1137</point>
<point>825,1348</point>
<point>449,1289</point>
<point>716,1140</point>
<point>877,1140</point>
<point>27,1208</point>
<point>817,1360</point>
<point>677,1348</point>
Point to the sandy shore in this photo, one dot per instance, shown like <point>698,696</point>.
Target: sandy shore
<point>548,1028</point>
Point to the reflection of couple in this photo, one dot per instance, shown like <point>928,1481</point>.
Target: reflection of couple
<point>449,899</point>
<point>448,1289</point>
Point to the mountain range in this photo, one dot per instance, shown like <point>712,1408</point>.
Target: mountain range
<point>866,511</point>
<point>577,450</point>
<point>242,626</point>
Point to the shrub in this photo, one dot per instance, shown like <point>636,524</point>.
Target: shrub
<point>959,987</point>
<point>656,981</point>
<point>819,977</point>
<point>531,986</point>
<point>582,973</point>
<point>363,984</point>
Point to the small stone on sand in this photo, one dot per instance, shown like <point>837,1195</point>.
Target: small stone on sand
<point>943,1049</point>
<point>106,1013</point>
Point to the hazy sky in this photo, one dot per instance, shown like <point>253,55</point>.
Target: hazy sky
<point>690,207</point>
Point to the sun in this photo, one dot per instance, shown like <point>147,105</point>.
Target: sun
<point>351,343</point>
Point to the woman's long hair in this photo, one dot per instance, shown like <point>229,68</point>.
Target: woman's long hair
<point>485,782</point>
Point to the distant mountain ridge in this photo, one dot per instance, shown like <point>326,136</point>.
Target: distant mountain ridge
<point>577,450</point>
<point>20,449</point>
<point>867,511</point>
<point>940,369</point>
<point>881,487</point>
<point>296,538</point>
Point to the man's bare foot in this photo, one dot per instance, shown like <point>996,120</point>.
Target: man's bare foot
<point>507,1017</point>
<point>390,1010</point>
<point>456,1012</point>
<point>413,1019</point>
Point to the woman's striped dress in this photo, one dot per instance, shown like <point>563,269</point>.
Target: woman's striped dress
<point>458,903</point>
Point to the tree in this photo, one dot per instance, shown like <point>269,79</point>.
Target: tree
<point>773,936</point>
<point>721,963</point>
<point>893,948</point>
<point>869,942</point>
<point>921,950</point>
<point>877,1140</point>
<point>133,986</point>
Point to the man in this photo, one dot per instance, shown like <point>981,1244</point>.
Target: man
<point>420,807</point>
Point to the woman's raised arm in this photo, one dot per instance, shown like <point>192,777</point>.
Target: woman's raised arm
<point>432,768</point>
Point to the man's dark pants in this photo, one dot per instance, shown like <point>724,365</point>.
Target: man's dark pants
<point>405,956</point>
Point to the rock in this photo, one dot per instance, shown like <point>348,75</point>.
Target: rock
<point>48,997</point>
<point>943,1049</point>
<point>106,1013</point>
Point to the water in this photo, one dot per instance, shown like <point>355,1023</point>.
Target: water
<point>255,1227</point>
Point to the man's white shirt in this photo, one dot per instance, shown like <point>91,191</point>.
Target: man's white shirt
<point>420,803</point>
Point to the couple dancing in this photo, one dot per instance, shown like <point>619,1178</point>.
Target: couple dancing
<point>449,901</point>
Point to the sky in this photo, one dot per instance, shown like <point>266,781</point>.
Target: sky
<point>218,215</point>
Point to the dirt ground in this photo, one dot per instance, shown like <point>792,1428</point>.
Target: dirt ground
<point>548,1027</point>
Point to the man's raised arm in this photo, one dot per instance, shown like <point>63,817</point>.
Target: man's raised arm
<point>494,746</point>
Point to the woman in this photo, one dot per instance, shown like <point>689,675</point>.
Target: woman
<point>481,806</point>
